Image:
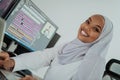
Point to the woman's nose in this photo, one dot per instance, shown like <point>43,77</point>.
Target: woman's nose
<point>87,28</point>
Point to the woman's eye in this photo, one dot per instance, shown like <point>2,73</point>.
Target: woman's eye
<point>96,29</point>
<point>87,21</point>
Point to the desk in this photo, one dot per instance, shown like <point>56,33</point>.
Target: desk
<point>14,76</point>
<point>10,75</point>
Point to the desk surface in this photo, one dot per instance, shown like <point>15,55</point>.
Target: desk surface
<point>11,75</point>
<point>14,76</point>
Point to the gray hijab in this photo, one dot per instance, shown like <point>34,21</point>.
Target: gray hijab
<point>76,50</point>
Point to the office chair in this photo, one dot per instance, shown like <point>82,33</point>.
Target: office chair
<point>112,71</point>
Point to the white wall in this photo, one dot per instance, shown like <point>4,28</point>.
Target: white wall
<point>68,15</point>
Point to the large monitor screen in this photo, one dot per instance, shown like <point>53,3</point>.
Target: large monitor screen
<point>30,26</point>
<point>6,6</point>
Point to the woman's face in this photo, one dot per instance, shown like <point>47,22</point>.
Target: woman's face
<point>91,29</point>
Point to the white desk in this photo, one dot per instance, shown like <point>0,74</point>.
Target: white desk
<point>10,75</point>
<point>14,76</point>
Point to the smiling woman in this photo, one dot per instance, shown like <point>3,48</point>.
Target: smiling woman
<point>91,29</point>
<point>81,59</point>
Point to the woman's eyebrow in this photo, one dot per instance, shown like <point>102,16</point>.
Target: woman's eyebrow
<point>90,19</point>
<point>96,25</point>
<point>99,27</point>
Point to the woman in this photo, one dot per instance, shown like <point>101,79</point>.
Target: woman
<point>81,59</point>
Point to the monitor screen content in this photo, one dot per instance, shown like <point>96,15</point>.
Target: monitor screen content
<point>25,27</point>
<point>31,28</point>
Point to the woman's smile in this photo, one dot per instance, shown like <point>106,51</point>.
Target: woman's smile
<point>84,33</point>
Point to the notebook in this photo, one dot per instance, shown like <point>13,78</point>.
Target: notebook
<point>2,30</point>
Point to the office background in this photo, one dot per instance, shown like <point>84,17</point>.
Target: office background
<point>69,14</point>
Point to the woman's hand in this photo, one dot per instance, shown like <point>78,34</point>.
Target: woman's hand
<point>28,78</point>
<point>5,61</point>
<point>4,56</point>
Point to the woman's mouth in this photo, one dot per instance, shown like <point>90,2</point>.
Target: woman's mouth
<point>84,33</point>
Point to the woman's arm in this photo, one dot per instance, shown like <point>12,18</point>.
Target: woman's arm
<point>34,60</point>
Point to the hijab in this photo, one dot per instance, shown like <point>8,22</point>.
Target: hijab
<point>76,50</point>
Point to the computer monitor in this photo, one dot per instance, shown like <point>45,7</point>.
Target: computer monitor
<point>6,6</point>
<point>29,26</point>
